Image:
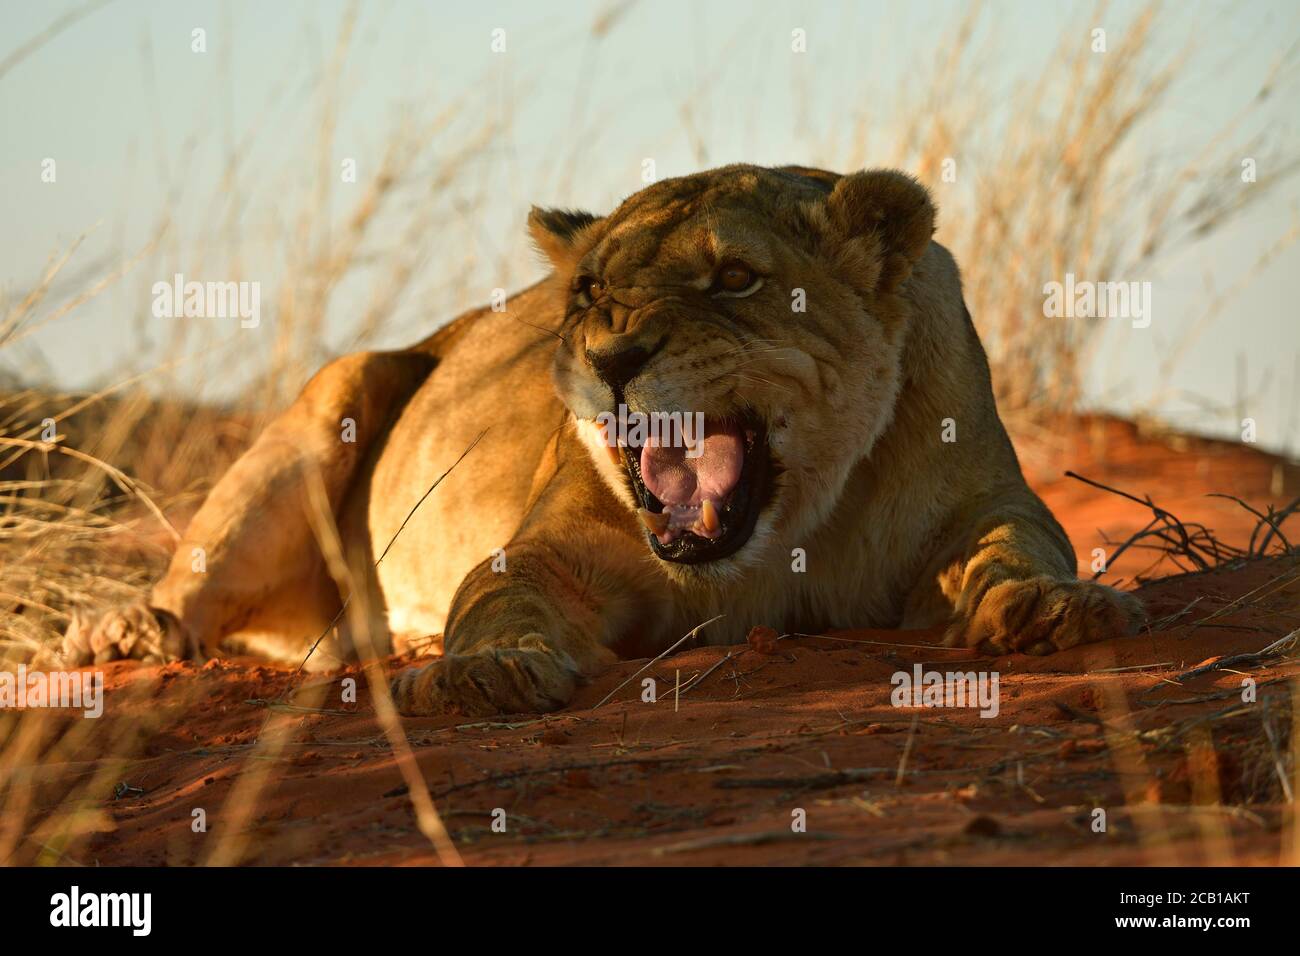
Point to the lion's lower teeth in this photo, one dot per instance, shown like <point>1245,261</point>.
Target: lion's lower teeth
<point>701,520</point>
<point>656,524</point>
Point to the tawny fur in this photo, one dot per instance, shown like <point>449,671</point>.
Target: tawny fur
<point>899,527</point>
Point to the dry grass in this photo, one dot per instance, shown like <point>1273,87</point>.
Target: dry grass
<point>1073,181</point>
<point>1083,178</point>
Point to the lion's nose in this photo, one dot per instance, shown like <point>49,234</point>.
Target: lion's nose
<point>618,366</point>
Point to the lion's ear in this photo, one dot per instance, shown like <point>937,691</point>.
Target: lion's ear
<point>891,213</point>
<point>558,233</point>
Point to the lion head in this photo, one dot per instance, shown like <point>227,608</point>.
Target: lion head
<point>763,303</point>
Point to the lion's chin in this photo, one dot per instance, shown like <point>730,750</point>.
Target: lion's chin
<point>702,508</point>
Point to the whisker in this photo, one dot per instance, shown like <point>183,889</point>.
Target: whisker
<point>759,379</point>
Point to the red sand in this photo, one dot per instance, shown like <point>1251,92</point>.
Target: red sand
<point>716,777</point>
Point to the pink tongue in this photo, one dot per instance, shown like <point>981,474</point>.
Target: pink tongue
<point>676,478</point>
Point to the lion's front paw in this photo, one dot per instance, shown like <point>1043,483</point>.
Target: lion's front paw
<point>530,678</point>
<point>1042,615</point>
<point>131,632</point>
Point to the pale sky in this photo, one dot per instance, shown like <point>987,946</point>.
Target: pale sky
<point>138,123</point>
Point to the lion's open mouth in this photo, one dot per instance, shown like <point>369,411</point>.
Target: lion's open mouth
<point>701,507</point>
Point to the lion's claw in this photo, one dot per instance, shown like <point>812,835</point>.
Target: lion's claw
<point>1042,615</point>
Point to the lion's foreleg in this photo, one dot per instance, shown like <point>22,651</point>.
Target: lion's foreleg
<point>529,624</point>
<point>1015,588</point>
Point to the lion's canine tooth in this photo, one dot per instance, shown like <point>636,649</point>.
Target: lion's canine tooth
<point>656,524</point>
<point>611,447</point>
<point>709,517</point>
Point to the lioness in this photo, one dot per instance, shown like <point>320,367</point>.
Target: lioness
<point>821,333</point>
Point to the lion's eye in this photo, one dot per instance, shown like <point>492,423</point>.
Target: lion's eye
<point>587,289</point>
<point>734,277</point>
